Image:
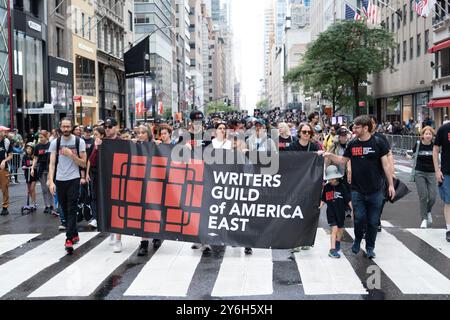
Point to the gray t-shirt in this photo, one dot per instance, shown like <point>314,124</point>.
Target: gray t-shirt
<point>67,168</point>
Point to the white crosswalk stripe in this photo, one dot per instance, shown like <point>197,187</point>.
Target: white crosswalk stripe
<point>409,272</point>
<point>322,275</point>
<point>168,273</point>
<point>435,238</point>
<point>16,271</point>
<point>242,275</point>
<point>172,268</point>
<point>9,242</point>
<point>82,277</point>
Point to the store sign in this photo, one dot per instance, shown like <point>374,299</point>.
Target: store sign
<point>77,99</point>
<point>35,26</point>
<point>47,109</point>
<point>84,47</point>
<point>62,71</point>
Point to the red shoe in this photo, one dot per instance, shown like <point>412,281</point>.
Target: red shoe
<point>75,239</point>
<point>69,246</point>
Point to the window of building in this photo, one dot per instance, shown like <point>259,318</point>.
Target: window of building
<point>445,62</point>
<point>427,41</point>
<point>75,20</point>
<point>411,48</point>
<point>404,51</point>
<point>405,14</point>
<point>85,76</point>
<point>59,42</point>
<point>57,6</point>
<point>130,20</point>
<point>392,57</point>
<point>411,10</point>
<point>393,22</point>
<point>387,23</point>
<point>192,62</point>
<point>89,28</point>
<point>419,40</point>
<point>398,53</point>
<point>398,21</point>
<point>82,24</point>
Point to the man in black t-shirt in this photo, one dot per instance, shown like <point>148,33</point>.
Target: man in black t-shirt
<point>370,163</point>
<point>442,145</point>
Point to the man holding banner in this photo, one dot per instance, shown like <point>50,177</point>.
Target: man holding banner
<point>369,158</point>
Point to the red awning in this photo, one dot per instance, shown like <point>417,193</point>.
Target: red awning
<point>438,103</point>
<point>439,46</point>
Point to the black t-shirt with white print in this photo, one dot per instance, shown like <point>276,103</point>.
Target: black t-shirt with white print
<point>285,143</point>
<point>367,170</point>
<point>337,199</point>
<point>443,140</point>
<point>425,158</point>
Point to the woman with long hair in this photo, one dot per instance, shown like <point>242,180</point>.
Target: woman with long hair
<point>305,139</point>
<point>39,169</point>
<point>425,176</point>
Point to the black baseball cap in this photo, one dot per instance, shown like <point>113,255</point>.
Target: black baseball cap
<point>197,116</point>
<point>342,132</point>
<point>88,129</point>
<point>110,122</point>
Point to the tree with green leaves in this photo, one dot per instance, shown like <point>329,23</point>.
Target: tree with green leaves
<point>218,106</point>
<point>342,57</point>
<point>263,104</point>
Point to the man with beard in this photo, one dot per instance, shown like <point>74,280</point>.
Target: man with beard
<point>68,157</point>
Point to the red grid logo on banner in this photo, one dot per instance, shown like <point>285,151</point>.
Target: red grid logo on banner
<point>174,189</point>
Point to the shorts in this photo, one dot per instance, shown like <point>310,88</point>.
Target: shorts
<point>444,190</point>
<point>336,219</point>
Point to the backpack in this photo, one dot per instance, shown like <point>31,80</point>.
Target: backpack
<point>58,144</point>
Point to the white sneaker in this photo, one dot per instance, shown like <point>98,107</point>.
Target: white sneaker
<point>430,219</point>
<point>117,247</point>
<point>112,239</point>
<point>93,223</point>
<point>424,224</point>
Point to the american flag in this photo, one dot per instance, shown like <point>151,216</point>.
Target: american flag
<point>423,7</point>
<point>371,11</point>
<point>351,14</point>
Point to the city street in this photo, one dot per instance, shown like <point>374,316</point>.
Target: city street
<point>410,264</point>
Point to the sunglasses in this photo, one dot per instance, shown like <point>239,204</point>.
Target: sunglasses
<point>306,132</point>
<point>109,127</point>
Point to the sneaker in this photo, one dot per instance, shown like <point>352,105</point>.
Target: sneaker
<point>112,240</point>
<point>295,250</point>
<point>69,246</point>
<point>156,243</point>
<point>54,213</point>
<point>206,248</point>
<point>448,236</point>
<point>306,248</point>
<point>370,254</point>
<point>338,246</point>
<point>356,247</point>
<point>424,224</point>
<point>62,227</point>
<point>334,254</point>
<point>196,246</point>
<point>429,219</point>
<point>76,239</point>
<point>4,212</point>
<point>143,249</point>
<point>248,251</point>
<point>46,210</point>
<point>117,246</point>
<point>93,223</point>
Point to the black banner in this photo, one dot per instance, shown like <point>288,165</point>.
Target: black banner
<point>143,192</point>
<point>134,59</point>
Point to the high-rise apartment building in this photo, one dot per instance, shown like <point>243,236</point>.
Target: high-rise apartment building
<point>196,54</point>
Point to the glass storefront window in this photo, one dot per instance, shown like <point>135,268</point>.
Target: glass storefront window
<point>393,109</point>
<point>61,95</point>
<point>423,110</point>
<point>85,76</point>
<point>88,115</point>
<point>407,108</point>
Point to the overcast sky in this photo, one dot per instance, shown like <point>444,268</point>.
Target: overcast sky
<point>248,29</point>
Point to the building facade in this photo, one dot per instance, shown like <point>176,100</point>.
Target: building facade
<point>440,55</point>
<point>196,86</point>
<point>404,93</point>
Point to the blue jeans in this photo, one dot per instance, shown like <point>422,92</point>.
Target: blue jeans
<point>367,209</point>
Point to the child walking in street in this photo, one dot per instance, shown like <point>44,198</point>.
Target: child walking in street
<point>337,197</point>
<point>27,165</point>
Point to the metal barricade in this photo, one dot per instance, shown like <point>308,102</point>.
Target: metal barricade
<point>14,165</point>
<point>401,144</point>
